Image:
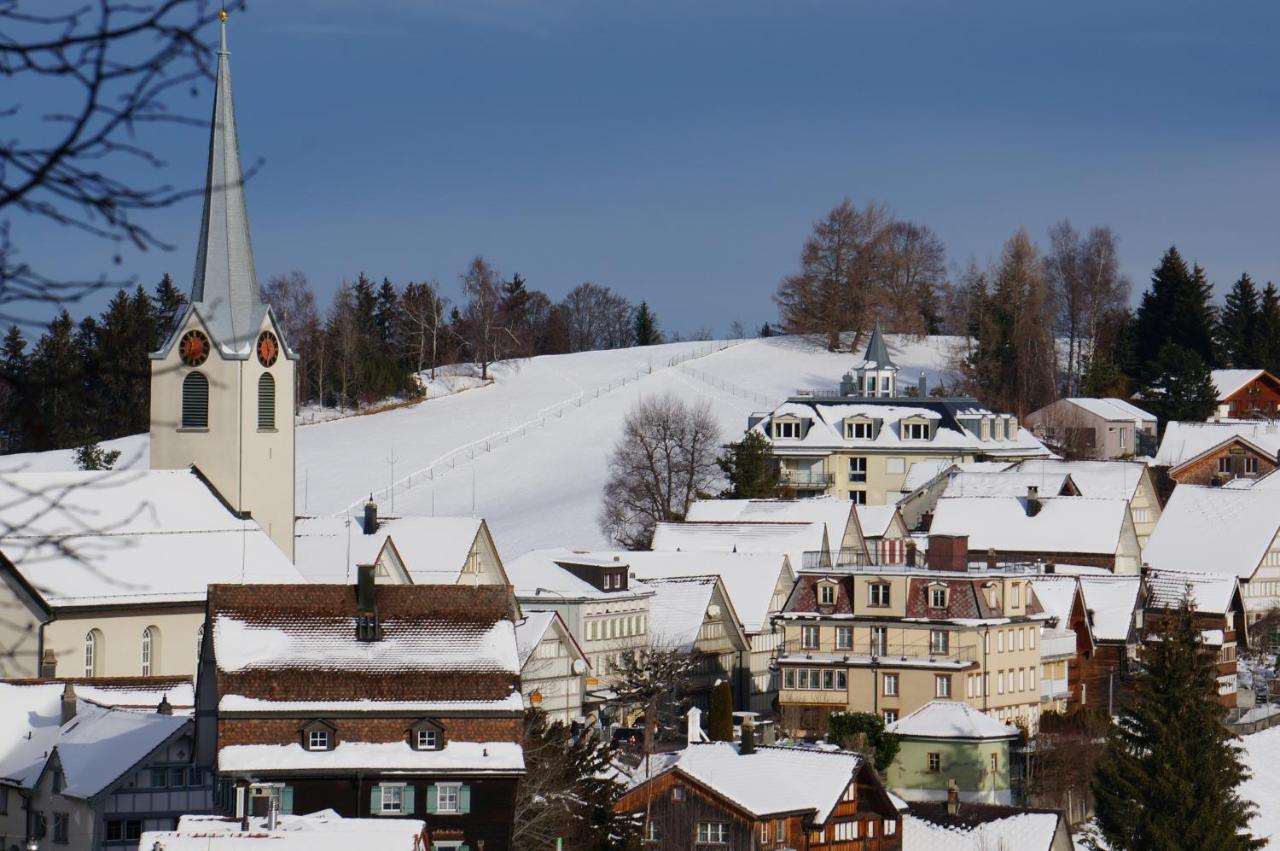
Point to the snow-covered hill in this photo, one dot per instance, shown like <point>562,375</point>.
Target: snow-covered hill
<point>528,451</point>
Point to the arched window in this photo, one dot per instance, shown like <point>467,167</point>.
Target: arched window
<point>92,652</point>
<point>195,401</point>
<point>266,402</point>
<point>150,651</point>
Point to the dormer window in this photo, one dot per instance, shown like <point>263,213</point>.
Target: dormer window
<point>426,735</point>
<point>1016,592</point>
<point>859,429</point>
<point>827,593</point>
<point>786,428</point>
<point>319,736</point>
<point>608,581</point>
<point>937,596</point>
<point>915,431</point>
<point>993,594</point>
<point>367,628</point>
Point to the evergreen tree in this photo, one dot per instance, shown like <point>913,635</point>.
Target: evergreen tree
<point>15,391</point>
<point>167,303</point>
<point>1182,387</point>
<point>1240,340</point>
<point>766,330</point>
<point>91,456</point>
<point>646,331</point>
<point>1177,309</point>
<point>720,721</point>
<point>751,468</point>
<point>55,370</point>
<point>1269,330</point>
<point>863,732</point>
<point>385,314</point>
<point>1168,779</point>
<point>116,363</point>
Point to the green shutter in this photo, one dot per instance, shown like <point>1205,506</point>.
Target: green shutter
<point>408,799</point>
<point>464,799</point>
<point>286,801</point>
<point>375,800</point>
<point>464,848</point>
<point>431,799</point>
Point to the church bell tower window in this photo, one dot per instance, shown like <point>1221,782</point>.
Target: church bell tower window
<point>195,401</point>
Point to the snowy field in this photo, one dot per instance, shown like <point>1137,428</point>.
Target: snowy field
<point>528,451</point>
<point>1262,755</point>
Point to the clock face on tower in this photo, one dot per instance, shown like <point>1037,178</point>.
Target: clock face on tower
<point>194,348</point>
<point>268,348</point>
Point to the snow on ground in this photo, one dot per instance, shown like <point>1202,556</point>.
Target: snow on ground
<point>1262,756</point>
<point>528,452</point>
<point>449,379</point>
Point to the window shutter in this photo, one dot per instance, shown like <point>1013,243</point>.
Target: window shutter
<point>431,799</point>
<point>464,799</point>
<point>195,401</point>
<point>286,801</point>
<point>375,800</point>
<point>266,401</point>
<point>408,799</point>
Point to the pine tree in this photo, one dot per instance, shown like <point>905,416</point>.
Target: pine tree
<point>1177,309</point>
<point>646,326</point>
<point>1240,326</point>
<point>720,721</point>
<point>1182,386</point>
<point>55,370</point>
<point>385,313</point>
<point>751,468</point>
<point>167,304</point>
<point>1269,330</point>
<point>91,456</point>
<point>1168,779</point>
<point>15,391</point>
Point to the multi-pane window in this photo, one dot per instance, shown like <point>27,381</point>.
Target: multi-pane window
<point>859,430</point>
<point>938,597</point>
<point>786,429</point>
<point>934,762</point>
<point>857,469</point>
<point>890,685</point>
<point>1251,466</point>
<point>890,827</point>
<point>890,716</point>
<point>915,431</point>
<point>150,638</point>
<point>1016,590</point>
<point>1022,679</point>
<point>844,637</point>
<point>91,653</point>
<point>878,594</point>
<point>858,497</point>
<point>392,798</point>
<point>939,641</point>
<point>879,640</point>
<point>1022,637</point>
<point>844,831</point>
<point>318,740</point>
<point>713,832</point>
<point>651,831</point>
<point>808,637</point>
<point>764,832</point>
<point>789,678</point>
<point>1224,464</point>
<point>826,593</point>
<point>448,796</point>
<point>942,685</point>
<point>427,740</point>
<point>60,828</point>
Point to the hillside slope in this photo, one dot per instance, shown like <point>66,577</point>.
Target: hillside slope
<point>529,452</point>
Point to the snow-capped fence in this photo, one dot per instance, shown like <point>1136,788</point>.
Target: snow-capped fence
<point>468,452</point>
<point>728,386</point>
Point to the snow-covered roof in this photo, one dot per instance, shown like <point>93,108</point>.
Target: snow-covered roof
<point>1029,831</point>
<point>103,538</point>
<point>434,550</point>
<point>1213,593</point>
<point>540,574</point>
<point>876,520</point>
<point>1230,381</point>
<point>773,779</point>
<point>1008,483</point>
<point>678,609</point>
<point>749,578</point>
<point>1110,600</point>
<point>141,694</point>
<point>1057,595</point>
<point>826,431</point>
<point>1183,441</point>
<point>951,719</point>
<point>791,539</point>
<point>530,632</point>
<point>239,703</point>
<point>927,470</point>
<point>1100,479</point>
<point>456,757</point>
<point>837,514</point>
<point>321,831</point>
<point>1214,530</point>
<point>1065,525</point>
<point>94,748</point>
<point>1113,409</point>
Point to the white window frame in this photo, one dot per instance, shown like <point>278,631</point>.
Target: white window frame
<point>806,632</point>
<point>873,592</point>
<point>935,592</point>
<point>427,739</point>
<point>383,809</point>
<point>858,469</point>
<point>456,790</point>
<point>317,740</point>
<point>942,686</point>
<point>826,593</point>
<point>148,650</point>
<point>890,685</point>
<point>844,638</point>
<point>713,833</point>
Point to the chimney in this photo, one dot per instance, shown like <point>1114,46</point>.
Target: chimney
<point>948,552</point>
<point>748,745</point>
<point>991,559</point>
<point>1033,500</point>
<point>693,726</point>
<point>68,702</point>
<point>953,796</point>
<point>1050,567</point>
<point>165,708</point>
<point>370,516</point>
<point>923,386</point>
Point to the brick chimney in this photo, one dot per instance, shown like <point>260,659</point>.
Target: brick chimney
<point>948,552</point>
<point>68,702</point>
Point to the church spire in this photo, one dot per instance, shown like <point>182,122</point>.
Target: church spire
<point>225,286</point>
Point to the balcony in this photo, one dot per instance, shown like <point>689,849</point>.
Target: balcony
<point>1054,689</point>
<point>804,479</point>
<point>914,651</point>
<point>844,557</point>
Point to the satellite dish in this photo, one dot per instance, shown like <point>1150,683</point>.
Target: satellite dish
<point>713,611</point>
<point>579,666</point>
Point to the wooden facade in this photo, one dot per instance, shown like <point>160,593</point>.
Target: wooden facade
<point>1259,397</point>
<point>1236,458</point>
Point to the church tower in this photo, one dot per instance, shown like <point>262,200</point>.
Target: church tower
<point>222,385</point>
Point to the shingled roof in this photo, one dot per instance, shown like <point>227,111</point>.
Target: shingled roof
<point>298,643</point>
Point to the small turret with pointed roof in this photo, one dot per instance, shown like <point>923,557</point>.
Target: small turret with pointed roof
<point>877,352</point>
<point>877,374</point>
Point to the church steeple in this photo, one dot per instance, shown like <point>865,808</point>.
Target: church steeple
<point>225,286</point>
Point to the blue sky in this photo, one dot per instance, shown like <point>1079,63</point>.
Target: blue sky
<point>679,151</point>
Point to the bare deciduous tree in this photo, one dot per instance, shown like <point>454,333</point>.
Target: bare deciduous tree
<point>343,330</point>
<point>1088,288</point>
<point>94,77</point>
<point>424,326</point>
<point>665,457</point>
<point>487,337</point>
<point>294,305</point>
<point>598,318</point>
<point>915,275</point>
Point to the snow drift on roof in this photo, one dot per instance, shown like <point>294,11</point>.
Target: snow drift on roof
<point>834,513</point>
<point>1094,479</point>
<point>1197,520</point>
<point>678,609</point>
<point>321,831</point>
<point>1230,381</point>
<point>1064,525</point>
<point>455,756</point>
<point>951,719</point>
<point>1113,409</point>
<point>1023,831</point>
<point>1111,600</point>
<point>1006,483</point>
